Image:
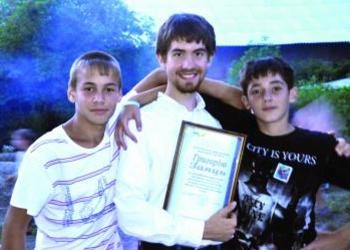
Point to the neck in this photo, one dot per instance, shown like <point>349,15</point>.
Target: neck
<point>186,99</point>
<point>85,135</point>
<point>274,129</point>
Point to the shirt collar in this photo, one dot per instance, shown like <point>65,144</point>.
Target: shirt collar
<point>199,99</point>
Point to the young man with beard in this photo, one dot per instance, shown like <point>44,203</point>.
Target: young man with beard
<point>282,167</point>
<point>185,47</point>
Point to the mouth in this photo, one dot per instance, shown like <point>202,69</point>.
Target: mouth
<point>99,111</point>
<point>188,75</point>
<point>269,108</point>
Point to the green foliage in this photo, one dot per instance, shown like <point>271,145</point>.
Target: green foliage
<point>20,23</point>
<point>251,54</point>
<point>337,97</point>
<point>314,71</point>
<point>39,39</point>
<point>337,204</point>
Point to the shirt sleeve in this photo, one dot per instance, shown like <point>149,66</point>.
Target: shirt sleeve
<point>229,117</point>
<point>33,188</point>
<point>138,215</point>
<point>338,170</point>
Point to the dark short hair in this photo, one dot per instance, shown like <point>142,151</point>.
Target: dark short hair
<point>187,27</point>
<point>261,67</point>
<point>101,61</point>
<point>25,134</point>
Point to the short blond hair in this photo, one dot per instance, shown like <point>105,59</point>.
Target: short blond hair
<point>101,61</point>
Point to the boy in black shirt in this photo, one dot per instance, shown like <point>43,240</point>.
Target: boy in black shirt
<point>290,162</point>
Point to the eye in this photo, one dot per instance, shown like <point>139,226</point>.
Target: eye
<point>110,89</point>
<point>88,89</point>
<point>177,54</point>
<point>200,53</point>
<point>255,92</point>
<point>276,89</point>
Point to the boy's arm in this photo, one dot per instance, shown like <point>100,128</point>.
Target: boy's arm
<point>154,79</point>
<point>15,228</point>
<point>132,112</point>
<point>339,239</point>
<point>154,82</point>
<point>228,94</point>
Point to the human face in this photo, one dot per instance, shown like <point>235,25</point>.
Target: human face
<point>19,142</point>
<point>186,65</point>
<point>95,97</point>
<point>268,97</point>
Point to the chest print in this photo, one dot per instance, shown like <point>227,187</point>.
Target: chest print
<point>283,172</point>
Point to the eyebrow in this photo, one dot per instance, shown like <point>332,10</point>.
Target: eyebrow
<point>177,50</point>
<point>201,50</point>
<point>182,50</point>
<point>256,84</point>
<point>107,84</point>
<point>277,82</point>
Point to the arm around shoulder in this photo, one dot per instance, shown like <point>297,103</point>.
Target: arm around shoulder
<point>225,92</point>
<point>154,79</point>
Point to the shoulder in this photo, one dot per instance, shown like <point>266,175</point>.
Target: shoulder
<point>314,135</point>
<point>154,111</point>
<point>51,140</point>
<point>319,139</point>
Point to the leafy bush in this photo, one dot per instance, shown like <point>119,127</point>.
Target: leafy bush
<point>39,39</point>
<point>250,54</point>
<point>317,70</point>
<point>337,97</point>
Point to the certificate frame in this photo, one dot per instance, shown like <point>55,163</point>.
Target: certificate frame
<point>204,171</point>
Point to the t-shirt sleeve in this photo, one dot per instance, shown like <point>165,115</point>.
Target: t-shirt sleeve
<point>338,167</point>
<point>33,188</point>
<point>229,117</point>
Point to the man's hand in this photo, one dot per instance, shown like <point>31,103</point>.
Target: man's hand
<point>342,148</point>
<point>222,225</point>
<point>329,241</point>
<point>130,112</point>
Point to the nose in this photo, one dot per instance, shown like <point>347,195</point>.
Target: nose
<point>188,62</point>
<point>99,97</point>
<point>267,95</point>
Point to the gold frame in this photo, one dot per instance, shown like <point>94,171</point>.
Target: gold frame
<point>204,172</point>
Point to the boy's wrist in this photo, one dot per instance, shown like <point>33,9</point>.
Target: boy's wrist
<point>132,102</point>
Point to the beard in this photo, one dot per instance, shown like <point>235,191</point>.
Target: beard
<point>189,86</point>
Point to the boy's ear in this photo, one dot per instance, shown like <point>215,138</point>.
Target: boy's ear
<point>71,95</point>
<point>245,102</point>
<point>293,94</point>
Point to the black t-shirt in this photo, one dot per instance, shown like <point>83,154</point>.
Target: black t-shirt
<point>278,181</point>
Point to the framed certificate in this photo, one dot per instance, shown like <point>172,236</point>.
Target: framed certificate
<point>204,171</point>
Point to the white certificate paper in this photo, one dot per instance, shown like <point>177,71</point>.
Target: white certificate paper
<point>204,172</point>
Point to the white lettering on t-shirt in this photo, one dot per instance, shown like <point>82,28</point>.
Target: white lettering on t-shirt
<point>303,158</point>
